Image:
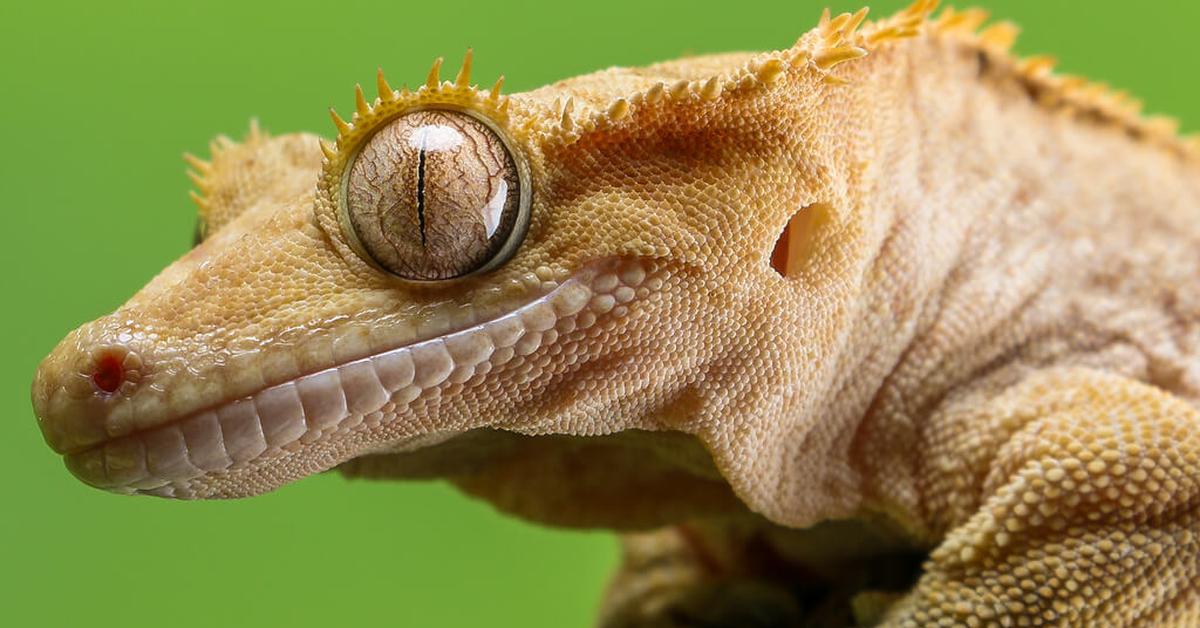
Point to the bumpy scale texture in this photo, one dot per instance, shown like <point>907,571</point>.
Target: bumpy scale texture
<point>800,320</point>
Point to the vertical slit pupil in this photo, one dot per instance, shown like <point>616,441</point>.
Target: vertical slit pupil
<point>421,193</point>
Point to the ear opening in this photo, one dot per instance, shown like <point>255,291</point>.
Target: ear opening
<point>794,245</point>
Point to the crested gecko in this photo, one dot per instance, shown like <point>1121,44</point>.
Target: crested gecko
<point>888,327</point>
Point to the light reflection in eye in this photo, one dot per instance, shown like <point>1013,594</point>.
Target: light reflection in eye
<point>495,208</point>
<point>435,137</point>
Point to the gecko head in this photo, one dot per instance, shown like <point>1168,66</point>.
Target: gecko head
<point>558,300</point>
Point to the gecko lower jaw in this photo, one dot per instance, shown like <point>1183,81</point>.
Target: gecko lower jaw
<point>357,402</point>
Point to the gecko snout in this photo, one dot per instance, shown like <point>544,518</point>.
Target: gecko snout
<point>77,386</point>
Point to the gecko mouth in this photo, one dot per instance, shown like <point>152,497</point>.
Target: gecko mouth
<point>350,408</point>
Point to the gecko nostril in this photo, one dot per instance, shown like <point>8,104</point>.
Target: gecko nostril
<point>108,372</point>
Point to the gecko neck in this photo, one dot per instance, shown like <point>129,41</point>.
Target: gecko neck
<point>991,212</point>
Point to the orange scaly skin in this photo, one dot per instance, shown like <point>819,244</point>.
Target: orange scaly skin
<point>976,340</point>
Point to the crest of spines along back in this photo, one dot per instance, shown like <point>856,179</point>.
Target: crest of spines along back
<point>847,37</point>
<point>200,171</point>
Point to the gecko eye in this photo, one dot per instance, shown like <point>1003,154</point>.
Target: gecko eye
<point>436,194</point>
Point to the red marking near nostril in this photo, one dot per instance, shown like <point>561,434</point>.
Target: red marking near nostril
<point>109,373</point>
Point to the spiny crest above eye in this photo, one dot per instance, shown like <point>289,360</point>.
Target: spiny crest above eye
<point>389,103</point>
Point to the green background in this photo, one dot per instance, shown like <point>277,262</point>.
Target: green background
<point>98,101</point>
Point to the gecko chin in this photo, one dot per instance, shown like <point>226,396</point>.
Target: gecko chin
<point>405,399</point>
